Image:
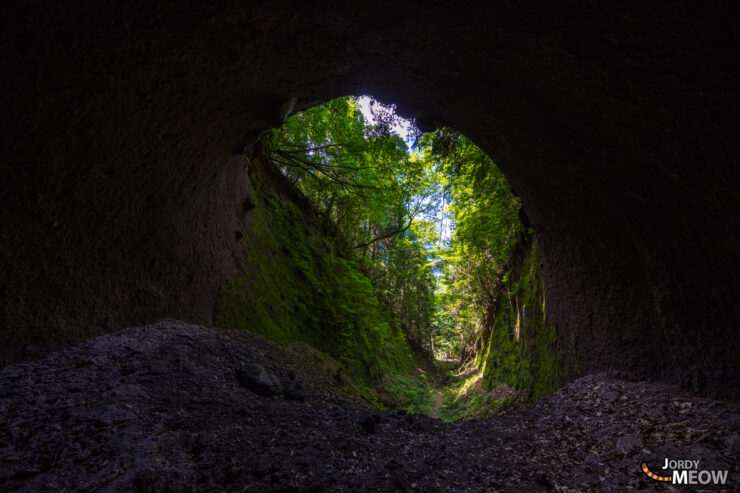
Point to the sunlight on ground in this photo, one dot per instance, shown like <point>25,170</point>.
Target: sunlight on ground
<point>469,384</point>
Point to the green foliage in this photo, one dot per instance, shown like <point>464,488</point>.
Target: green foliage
<point>359,176</point>
<point>363,179</point>
<point>486,223</point>
<point>411,393</point>
<point>476,405</point>
<point>369,274</point>
<point>405,280</point>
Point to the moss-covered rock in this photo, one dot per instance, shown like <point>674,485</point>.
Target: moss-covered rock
<point>297,282</point>
<point>523,350</point>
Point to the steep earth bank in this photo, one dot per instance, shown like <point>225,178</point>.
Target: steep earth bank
<point>297,281</point>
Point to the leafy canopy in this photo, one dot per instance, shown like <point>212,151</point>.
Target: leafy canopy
<point>389,203</point>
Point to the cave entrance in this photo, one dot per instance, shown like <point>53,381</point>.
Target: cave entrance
<point>434,235</point>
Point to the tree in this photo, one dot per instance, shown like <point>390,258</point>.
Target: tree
<point>358,175</point>
<point>387,202</point>
<point>486,225</point>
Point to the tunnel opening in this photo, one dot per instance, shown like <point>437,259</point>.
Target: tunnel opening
<point>125,185</point>
<point>435,252</point>
<point>124,200</point>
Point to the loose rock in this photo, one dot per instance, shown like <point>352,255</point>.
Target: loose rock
<point>258,380</point>
<point>191,427</point>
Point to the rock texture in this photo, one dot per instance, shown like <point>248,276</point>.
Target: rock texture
<point>159,408</point>
<point>122,188</point>
<point>258,380</point>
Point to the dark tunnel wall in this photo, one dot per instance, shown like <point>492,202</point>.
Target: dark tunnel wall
<point>122,184</point>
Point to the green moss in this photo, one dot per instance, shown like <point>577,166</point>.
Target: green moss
<point>297,284</point>
<point>477,405</point>
<point>411,393</point>
<point>532,362</point>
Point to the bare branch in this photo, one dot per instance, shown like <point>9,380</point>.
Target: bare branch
<point>388,234</point>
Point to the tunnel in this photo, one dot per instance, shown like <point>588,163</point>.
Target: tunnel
<point>124,127</point>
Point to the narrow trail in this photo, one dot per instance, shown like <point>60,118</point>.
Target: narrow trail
<point>438,402</point>
<point>439,384</point>
<point>160,408</point>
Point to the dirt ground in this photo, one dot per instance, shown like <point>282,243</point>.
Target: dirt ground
<point>158,408</point>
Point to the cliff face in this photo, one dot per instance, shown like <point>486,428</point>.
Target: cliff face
<point>122,185</point>
<point>520,346</point>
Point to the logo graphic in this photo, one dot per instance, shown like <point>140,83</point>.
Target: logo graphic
<point>654,476</point>
<point>686,472</point>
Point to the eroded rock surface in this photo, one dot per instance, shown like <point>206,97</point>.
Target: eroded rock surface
<point>158,408</point>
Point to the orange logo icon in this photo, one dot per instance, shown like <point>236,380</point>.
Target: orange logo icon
<point>654,476</point>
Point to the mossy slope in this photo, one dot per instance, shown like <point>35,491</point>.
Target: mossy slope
<point>296,282</point>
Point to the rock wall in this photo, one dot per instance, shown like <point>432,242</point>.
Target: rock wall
<point>518,345</point>
<point>122,189</point>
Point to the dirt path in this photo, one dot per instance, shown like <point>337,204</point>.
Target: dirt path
<point>439,383</point>
<point>438,401</point>
<point>158,408</point>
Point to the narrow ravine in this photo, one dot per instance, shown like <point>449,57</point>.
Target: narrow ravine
<point>397,253</point>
